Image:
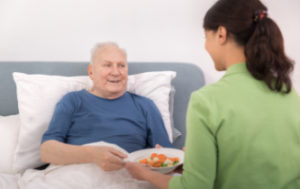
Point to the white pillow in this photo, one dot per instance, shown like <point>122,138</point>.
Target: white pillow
<point>9,131</point>
<point>38,94</point>
<point>156,86</point>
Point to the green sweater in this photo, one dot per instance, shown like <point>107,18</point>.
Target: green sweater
<point>241,135</point>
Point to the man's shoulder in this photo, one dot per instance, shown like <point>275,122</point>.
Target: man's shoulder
<point>76,93</point>
<point>73,95</point>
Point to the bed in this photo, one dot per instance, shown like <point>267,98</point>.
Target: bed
<point>189,77</point>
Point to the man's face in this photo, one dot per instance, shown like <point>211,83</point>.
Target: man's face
<point>109,72</point>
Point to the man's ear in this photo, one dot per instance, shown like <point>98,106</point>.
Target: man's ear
<point>90,71</point>
<point>222,35</point>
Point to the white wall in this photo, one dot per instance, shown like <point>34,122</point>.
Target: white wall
<point>152,30</point>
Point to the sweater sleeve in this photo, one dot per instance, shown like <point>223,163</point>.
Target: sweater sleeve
<point>199,169</point>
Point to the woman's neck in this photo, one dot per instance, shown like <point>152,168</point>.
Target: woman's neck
<point>235,55</point>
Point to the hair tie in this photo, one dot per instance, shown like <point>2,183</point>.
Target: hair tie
<point>260,15</point>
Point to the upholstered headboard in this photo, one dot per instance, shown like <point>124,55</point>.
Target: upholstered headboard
<point>189,78</point>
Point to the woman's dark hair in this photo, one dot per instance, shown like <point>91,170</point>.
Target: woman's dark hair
<point>247,22</point>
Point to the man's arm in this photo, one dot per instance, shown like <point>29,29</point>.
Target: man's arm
<point>157,133</point>
<point>59,153</point>
<point>55,151</point>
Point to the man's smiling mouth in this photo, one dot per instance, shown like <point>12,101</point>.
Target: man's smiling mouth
<point>114,81</point>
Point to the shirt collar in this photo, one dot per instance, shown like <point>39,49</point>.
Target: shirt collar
<point>236,68</point>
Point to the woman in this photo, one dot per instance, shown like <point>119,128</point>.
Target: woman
<point>243,131</point>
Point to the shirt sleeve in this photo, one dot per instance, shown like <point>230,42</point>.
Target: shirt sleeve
<point>156,131</point>
<point>61,119</point>
<point>199,168</point>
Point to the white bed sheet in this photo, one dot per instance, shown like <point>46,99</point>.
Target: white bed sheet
<point>8,181</point>
<point>75,176</point>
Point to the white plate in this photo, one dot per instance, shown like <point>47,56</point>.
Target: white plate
<point>169,152</point>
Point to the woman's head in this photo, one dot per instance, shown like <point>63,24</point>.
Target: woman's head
<point>247,23</point>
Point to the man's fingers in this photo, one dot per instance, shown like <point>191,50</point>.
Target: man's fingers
<point>117,161</point>
<point>117,157</point>
<point>118,153</point>
<point>158,146</point>
<point>132,165</point>
<point>111,167</point>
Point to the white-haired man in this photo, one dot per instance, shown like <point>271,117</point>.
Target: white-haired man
<point>107,113</point>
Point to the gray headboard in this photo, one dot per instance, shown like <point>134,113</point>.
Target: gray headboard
<point>189,78</point>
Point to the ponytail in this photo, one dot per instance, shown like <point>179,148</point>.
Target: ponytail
<point>265,57</point>
<point>261,38</point>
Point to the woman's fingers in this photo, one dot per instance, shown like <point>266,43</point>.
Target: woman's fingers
<point>136,170</point>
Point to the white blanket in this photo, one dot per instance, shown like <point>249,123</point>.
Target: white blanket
<point>81,176</point>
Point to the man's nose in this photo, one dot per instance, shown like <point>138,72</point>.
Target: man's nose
<point>115,70</point>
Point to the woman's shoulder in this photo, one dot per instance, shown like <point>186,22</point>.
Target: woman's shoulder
<point>210,90</point>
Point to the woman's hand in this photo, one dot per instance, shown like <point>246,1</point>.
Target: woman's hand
<point>108,158</point>
<point>143,173</point>
<point>137,170</point>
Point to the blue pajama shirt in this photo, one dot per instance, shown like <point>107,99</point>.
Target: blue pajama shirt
<point>131,121</point>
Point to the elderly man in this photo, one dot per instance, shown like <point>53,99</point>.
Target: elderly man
<point>107,113</point>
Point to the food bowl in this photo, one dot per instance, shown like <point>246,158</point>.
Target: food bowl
<point>169,152</point>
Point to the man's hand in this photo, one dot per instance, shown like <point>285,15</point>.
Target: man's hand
<point>108,158</point>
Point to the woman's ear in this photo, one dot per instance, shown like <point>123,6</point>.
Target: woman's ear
<point>222,35</point>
